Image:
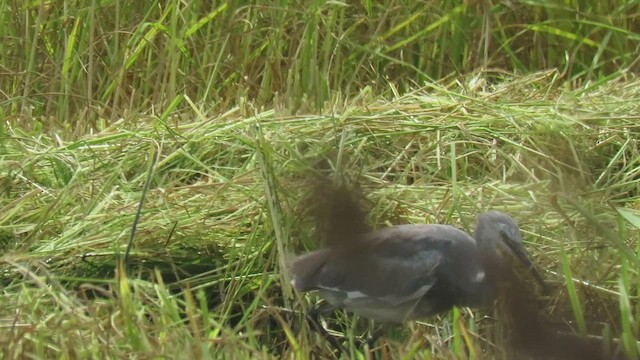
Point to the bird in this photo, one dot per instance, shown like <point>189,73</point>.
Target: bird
<point>413,271</point>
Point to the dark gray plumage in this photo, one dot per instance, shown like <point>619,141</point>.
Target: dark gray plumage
<point>409,272</point>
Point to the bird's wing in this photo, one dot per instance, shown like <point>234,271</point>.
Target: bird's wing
<point>409,279</point>
<point>393,267</point>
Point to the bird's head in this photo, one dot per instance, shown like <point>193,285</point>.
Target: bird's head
<point>498,232</point>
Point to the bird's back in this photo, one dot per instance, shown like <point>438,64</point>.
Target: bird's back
<point>395,273</point>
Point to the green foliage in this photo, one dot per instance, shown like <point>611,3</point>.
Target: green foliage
<point>415,100</point>
<point>223,213</point>
<point>81,62</point>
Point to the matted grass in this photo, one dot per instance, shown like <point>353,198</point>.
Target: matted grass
<point>224,209</point>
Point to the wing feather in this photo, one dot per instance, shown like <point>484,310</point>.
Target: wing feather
<point>391,277</point>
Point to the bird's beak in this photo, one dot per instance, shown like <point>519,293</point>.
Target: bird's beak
<point>525,259</point>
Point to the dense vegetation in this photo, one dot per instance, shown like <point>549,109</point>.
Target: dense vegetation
<point>188,129</point>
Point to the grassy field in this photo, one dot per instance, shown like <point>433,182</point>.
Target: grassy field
<point>154,160</point>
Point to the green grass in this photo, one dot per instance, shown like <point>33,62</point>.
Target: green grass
<point>180,136</point>
<point>80,64</point>
<point>223,211</point>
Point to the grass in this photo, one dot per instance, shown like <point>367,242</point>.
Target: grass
<point>154,159</point>
<point>82,64</point>
<point>222,211</point>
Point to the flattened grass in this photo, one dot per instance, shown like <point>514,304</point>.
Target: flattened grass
<point>224,210</point>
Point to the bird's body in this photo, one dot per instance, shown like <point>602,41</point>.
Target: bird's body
<point>407,272</point>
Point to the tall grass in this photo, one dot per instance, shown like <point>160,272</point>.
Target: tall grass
<point>78,64</point>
